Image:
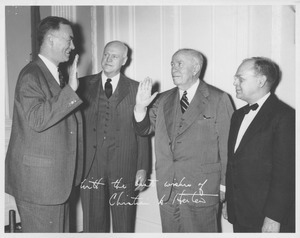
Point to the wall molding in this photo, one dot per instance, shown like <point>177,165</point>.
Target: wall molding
<point>94,41</point>
<point>276,33</point>
<point>68,12</point>
<point>132,37</point>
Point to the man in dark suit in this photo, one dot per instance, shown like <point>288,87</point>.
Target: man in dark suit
<point>260,180</point>
<point>45,148</point>
<point>116,159</point>
<point>191,125</point>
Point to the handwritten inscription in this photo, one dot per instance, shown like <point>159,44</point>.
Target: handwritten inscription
<point>116,199</point>
<point>91,184</point>
<point>182,197</point>
<point>180,184</point>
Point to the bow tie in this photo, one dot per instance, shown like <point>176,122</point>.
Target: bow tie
<point>252,107</point>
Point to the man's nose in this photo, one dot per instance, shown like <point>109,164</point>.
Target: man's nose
<point>72,45</point>
<point>109,58</point>
<point>174,69</point>
<point>235,82</point>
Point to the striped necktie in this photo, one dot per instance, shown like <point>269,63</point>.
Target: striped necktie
<point>62,82</point>
<point>184,102</point>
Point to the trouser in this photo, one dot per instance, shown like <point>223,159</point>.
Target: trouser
<point>106,197</point>
<point>97,204</point>
<point>186,217</point>
<point>43,218</point>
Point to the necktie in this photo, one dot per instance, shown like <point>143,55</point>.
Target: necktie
<point>248,108</point>
<point>62,82</point>
<point>184,102</point>
<point>108,88</point>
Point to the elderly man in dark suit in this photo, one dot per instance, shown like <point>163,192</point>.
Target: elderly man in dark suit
<point>45,147</point>
<point>191,125</point>
<point>116,159</point>
<point>260,180</point>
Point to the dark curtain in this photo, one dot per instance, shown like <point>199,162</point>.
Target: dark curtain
<point>35,19</point>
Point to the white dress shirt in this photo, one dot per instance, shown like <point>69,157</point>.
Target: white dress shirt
<point>190,93</point>
<point>248,119</point>
<point>52,67</point>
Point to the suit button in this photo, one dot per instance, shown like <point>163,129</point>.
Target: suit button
<point>94,129</point>
<point>94,146</point>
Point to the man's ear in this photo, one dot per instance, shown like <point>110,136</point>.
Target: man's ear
<point>125,60</point>
<point>262,81</point>
<point>196,69</point>
<point>49,39</point>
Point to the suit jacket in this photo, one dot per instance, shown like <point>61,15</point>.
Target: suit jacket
<point>131,151</point>
<point>192,158</point>
<point>260,179</point>
<point>45,139</point>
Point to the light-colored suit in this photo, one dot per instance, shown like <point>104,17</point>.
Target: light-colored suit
<point>192,148</point>
<point>46,139</point>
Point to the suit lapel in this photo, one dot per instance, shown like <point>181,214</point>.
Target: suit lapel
<point>94,85</point>
<point>122,89</point>
<point>259,121</point>
<point>170,108</point>
<point>196,107</point>
<point>53,85</point>
<point>234,129</point>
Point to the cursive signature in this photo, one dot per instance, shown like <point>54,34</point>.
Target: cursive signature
<point>116,198</point>
<point>196,197</point>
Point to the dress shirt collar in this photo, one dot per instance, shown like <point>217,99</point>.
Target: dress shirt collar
<point>52,67</point>
<point>191,91</point>
<point>114,80</point>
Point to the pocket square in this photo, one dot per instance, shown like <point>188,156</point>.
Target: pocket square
<point>206,117</point>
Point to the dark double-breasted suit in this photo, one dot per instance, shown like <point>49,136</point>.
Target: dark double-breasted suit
<point>190,149</point>
<point>260,179</point>
<point>112,149</point>
<point>46,145</point>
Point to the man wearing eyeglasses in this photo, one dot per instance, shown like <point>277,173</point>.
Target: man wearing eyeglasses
<point>260,177</point>
<point>44,157</point>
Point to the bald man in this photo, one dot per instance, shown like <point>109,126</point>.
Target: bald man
<point>116,159</point>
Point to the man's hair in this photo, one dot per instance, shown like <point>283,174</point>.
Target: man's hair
<point>120,43</point>
<point>266,67</point>
<point>50,23</point>
<point>196,55</point>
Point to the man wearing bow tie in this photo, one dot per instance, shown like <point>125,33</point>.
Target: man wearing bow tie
<point>260,178</point>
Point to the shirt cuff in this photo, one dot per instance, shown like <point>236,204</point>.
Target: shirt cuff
<point>139,116</point>
<point>222,188</point>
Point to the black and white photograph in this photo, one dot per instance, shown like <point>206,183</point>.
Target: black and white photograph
<point>150,118</point>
